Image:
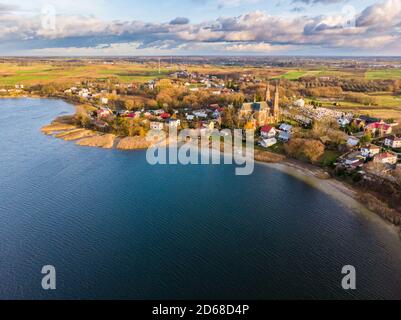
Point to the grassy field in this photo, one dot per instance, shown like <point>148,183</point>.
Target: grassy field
<point>392,74</point>
<point>324,72</point>
<point>36,73</point>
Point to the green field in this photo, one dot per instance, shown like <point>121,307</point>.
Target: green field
<point>392,74</point>
<point>36,73</point>
<point>293,75</point>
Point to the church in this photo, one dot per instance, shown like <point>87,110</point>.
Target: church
<point>262,113</point>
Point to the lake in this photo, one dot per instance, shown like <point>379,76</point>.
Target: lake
<point>116,227</point>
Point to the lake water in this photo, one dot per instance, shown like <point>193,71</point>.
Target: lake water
<point>116,227</point>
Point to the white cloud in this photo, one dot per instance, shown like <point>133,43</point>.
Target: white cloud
<point>377,28</point>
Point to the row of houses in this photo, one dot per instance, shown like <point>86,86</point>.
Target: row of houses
<point>369,152</point>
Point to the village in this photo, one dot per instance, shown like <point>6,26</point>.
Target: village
<point>292,126</point>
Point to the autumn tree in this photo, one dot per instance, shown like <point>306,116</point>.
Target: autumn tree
<point>305,149</point>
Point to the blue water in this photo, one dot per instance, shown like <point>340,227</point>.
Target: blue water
<point>116,227</point>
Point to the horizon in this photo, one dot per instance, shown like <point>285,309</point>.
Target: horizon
<point>201,28</point>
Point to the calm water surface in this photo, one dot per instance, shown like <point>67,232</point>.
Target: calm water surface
<point>116,227</point>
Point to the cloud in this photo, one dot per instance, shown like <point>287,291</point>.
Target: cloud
<point>313,2</point>
<point>6,8</point>
<point>179,20</point>
<point>382,14</point>
<point>377,27</point>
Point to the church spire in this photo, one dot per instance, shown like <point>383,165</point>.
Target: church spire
<point>277,102</point>
<point>268,95</point>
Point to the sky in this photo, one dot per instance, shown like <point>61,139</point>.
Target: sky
<point>200,27</point>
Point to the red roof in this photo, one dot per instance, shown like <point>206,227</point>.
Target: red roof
<point>266,129</point>
<point>378,125</point>
<point>385,155</point>
<point>165,115</point>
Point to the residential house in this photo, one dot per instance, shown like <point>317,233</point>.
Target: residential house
<point>343,122</point>
<point>266,143</point>
<point>173,123</point>
<point>156,126</point>
<point>299,103</point>
<point>393,142</point>
<point>380,128</point>
<point>386,158</point>
<point>104,112</point>
<point>200,114</point>
<point>267,132</point>
<point>370,150</point>
<point>352,141</point>
<point>285,132</point>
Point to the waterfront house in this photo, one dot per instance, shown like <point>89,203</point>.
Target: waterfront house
<point>268,132</point>
<point>266,143</point>
<point>393,142</point>
<point>386,158</point>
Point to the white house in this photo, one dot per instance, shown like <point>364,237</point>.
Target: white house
<point>104,100</point>
<point>266,143</point>
<point>393,142</point>
<point>286,128</point>
<point>284,136</point>
<point>157,126</point>
<point>352,141</point>
<point>343,122</point>
<point>200,114</point>
<point>172,123</point>
<point>104,113</point>
<point>369,151</point>
<point>300,103</point>
<point>268,132</point>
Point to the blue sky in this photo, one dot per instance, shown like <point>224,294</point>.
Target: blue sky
<point>236,27</point>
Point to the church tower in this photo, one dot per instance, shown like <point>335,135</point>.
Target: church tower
<point>268,94</point>
<point>276,106</point>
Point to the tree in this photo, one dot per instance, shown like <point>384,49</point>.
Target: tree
<point>303,149</point>
<point>367,138</point>
<point>227,119</point>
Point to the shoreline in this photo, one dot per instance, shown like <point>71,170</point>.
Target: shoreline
<point>314,176</point>
<point>341,191</point>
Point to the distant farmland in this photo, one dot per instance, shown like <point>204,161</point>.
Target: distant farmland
<point>393,74</point>
<point>11,74</point>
